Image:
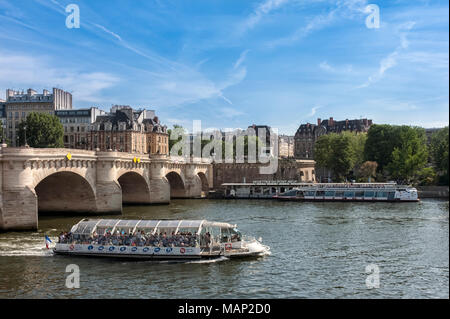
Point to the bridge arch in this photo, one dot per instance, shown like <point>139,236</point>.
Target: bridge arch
<point>204,183</point>
<point>135,188</point>
<point>177,185</point>
<point>65,191</point>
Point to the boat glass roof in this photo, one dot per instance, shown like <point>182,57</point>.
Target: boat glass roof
<point>88,226</point>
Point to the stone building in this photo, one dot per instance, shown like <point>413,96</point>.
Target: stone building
<point>2,118</point>
<point>19,104</point>
<point>285,146</point>
<point>127,130</point>
<point>307,134</point>
<point>77,124</point>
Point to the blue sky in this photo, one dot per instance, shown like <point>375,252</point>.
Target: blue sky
<point>232,63</point>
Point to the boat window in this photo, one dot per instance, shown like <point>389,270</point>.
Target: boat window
<point>349,194</point>
<point>235,235</point>
<point>225,235</point>
<point>369,194</point>
<point>329,193</point>
<point>290,193</point>
<point>320,193</point>
<point>339,194</point>
<point>359,194</point>
<point>310,193</point>
<point>85,227</point>
<point>381,194</point>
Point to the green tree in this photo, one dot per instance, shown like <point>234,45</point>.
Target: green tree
<point>42,131</point>
<point>439,153</point>
<point>380,143</point>
<point>337,152</point>
<point>410,156</point>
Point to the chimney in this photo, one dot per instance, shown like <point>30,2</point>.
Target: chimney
<point>9,93</point>
<point>370,122</point>
<point>331,122</point>
<point>319,121</point>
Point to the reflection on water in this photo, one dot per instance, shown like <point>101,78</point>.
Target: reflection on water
<point>319,250</point>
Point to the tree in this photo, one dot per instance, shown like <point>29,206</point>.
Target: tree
<point>380,143</point>
<point>336,152</point>
<point>439,153</point>
<point>410,156</point>
<point>368,170</point>
<point>42,131</point>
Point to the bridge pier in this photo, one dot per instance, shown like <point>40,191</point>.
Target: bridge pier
<point>20,210</point>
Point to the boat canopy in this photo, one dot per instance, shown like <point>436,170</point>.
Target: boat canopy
<point>100,226</point>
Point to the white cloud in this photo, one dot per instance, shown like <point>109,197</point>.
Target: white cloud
<point>263,9</point>
<point>314,110</point>
<point>316,23</point>
<point>229,112</point>
<point>391,60</point>
<point>241,59</point>
<point>22,71</point>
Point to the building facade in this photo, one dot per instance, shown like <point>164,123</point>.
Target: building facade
<point>127,130</point>
<point>77,124</point>
<point>2,119</point>
<point>19,104</point>
<point>285,146</point>
<point>307,134</point>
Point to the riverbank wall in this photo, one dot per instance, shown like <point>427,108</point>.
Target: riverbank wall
<point>433,192</point>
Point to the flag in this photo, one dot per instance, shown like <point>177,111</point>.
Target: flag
<point>47,241</point>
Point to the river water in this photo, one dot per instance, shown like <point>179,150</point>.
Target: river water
<point>319,250</point>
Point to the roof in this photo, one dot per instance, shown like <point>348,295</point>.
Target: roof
<point>87,226</point>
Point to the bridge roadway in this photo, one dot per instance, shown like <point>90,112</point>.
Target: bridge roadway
<point>46,180</point>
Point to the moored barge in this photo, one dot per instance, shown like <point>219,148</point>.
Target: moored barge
<point>356,192</point>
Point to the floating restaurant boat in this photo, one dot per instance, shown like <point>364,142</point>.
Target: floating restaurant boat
<point>298,191</point>
<point>158,240</point>
<point>362,192</point>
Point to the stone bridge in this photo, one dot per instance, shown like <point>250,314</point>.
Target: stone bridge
<point>46,180</point>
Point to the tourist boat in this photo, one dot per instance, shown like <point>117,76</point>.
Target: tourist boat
<point>158,240</point>
<point>362,192</point>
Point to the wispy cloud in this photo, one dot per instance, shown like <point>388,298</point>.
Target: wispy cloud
<point>391,60</point>
<point>325,66</point>
<point>316,23</point>
<point>262,10</point>
<point>241,59</point>
<point>118,37</point>
<point>229,112</point>
<point>23,71</point>
<point>314,110</point>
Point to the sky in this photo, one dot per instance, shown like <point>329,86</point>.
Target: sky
<point>234,63</point>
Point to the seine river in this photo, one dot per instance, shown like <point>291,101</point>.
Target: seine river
<point>319,250</point>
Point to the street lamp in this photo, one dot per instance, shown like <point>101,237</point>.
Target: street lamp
<point>25,131</point>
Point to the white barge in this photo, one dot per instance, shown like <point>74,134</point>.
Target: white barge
<point>352,192</point>
<point>157,240</point>
<point>297,191</point>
